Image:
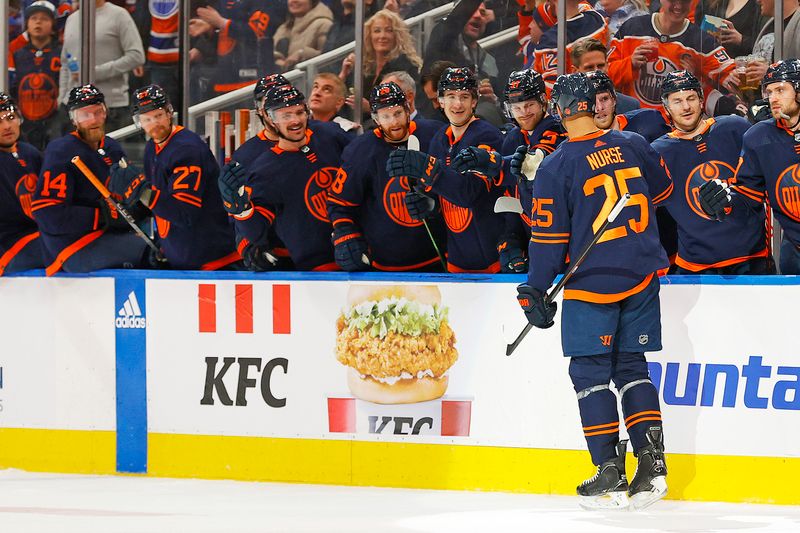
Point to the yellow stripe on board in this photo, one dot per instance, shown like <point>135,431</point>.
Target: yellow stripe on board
<point>380,464</point>
<point>58,450</point>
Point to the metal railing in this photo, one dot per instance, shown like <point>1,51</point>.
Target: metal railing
<point>304,73</point>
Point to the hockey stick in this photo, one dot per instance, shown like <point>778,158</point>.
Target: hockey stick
<point>573,267</point>
<point>104,192</point>
<point>413,144</point>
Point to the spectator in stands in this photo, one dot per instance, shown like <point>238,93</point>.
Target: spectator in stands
<point>533,21</point>
<point>303,34</point>
<point>582,23</point>
<point>118,51</point>
<point>245,32</point>
<point>327,99</point>
<point>618,11</point>
<point>158,28</point>
<point>647,48</point>
<point>344,22</point>
<point>387,47</point>
<point>412,8</point>
<point>429,81</point>
<point>34,72</point>
<point>589,55</point>
<point>743,19</point>
<point>765,40</point>
<point>456,39</point>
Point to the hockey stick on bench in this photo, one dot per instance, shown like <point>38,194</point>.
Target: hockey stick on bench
<point>573,266</point>
<point>413,144</point>
<point>105,193</point>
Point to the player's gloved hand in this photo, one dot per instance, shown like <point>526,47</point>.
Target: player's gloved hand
<point>112,220</point>
<point>417,165</point>
<point>512,257</point>
<point>127,181</point>
<point>474,159</point>
<point>538,312</point>
<point>235,196</point>
<point>524,164</point>
<point>350,248</point>
<point>715,198</point>
<point>420,206</point>
<point>257,258</point>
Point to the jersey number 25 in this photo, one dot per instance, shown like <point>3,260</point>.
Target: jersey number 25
<point>614,187</point>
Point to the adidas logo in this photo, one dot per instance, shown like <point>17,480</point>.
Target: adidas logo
<point>130,315</point>
<point>599,143</point>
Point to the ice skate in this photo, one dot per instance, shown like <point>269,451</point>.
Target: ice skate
<point>650,482</point>
<point>608,489</point>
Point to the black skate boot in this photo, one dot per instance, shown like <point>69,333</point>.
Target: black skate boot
<point>608,489</point>
<point>650,482</point>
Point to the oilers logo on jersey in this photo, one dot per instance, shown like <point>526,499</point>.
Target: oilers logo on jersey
<point>648,84</point>
<point>787,192</point>
<point>316,193</point>
<point>702,173</point>
<point>456,217</point>
<point>394,202</point>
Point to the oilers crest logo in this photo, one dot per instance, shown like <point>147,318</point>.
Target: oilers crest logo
<point>702,173</point>
<point>38,96</point>
<point>648,84</point>
<point>316,193</point>
<point>24,189</point>
<point>163,9</point>
<point>394,204</point>
<point>787,192</point>
<point>456,217</point>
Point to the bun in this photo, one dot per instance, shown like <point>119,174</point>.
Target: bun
<point>425,294</point>
<point>404,391</point>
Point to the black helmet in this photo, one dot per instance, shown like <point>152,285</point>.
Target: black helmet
<point>150,98</point>
<point>458,79</point>
<point>680,80</point>
<point>283,96</point>
<point>386,95</point>
<point>266,83</point>
<point>8,105</point>
<point>573,94</point>
<point>84,95</point>
<point>524,85</point>
<point>785,70</point>
<point>602,83</point>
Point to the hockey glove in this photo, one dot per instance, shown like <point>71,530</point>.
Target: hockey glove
<point>420,206</point>
<point>538,312</point>
<point>127,182</point>
<point>413,164</point>
<point>235,196</point>
<point>350,248</point>
<point>257,258</point>
<point>480,160</point>
<point>112,220</point>
<point>715,198</point>
<point>512,257</point>
<point>524,164</point>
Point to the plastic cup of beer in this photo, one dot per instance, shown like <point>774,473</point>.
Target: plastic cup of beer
<point>652,54</point>
<point>754,84</point>
<point>741,72</point>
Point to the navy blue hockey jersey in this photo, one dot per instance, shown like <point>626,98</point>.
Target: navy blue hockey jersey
<point>252,149</point>
<point>65,204</point>
<point>34,74</point>
<point>769,169</point>
<point>19,171</point>
<point>289,189</point>
<point>364,195</point>
<point>575,189</point>
<point>193,228</point>
<point>467,201</point>
<point>648,123</point>
<point>711,153</point>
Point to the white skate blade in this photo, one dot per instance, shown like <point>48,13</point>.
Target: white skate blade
<point>608,501</point>
<point>643,500</point>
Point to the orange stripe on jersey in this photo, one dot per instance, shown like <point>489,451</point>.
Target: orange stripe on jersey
<point>750,193</point>
<point>493,269</point>
<point>550,241</point>
<point>327,267</point>
<point>15,249</point>
<point>664,195</point>
<point>697,267</point>
<point>542,234</point>
<point>221,262</point>
<point>602,432</point>
<point>339,201</point>
<point>598,298</point>
<point>266,213</point>
<point>188,198</point>
<point>599,426</point>
<point>73,248</point>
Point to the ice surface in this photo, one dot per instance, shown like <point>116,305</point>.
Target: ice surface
<point>59,503</point>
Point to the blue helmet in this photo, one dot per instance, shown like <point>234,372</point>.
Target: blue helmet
<point>680,80</point>
<point>602,83</point>
<point>573,94</point>
<point>264,84</point>
<point>458,79</point>
<point>785,70</point>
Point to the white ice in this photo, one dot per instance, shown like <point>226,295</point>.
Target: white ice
<point>58,503</point>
